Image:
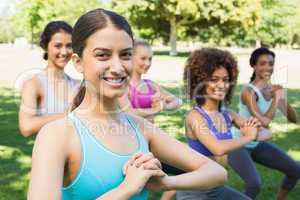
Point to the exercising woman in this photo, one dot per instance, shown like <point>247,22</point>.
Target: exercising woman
<point>99,152</point>
<point>48,94</point>
<point>261,100</point>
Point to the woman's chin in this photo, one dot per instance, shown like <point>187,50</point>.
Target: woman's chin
<point>114,94</point>
<point>218,98</point>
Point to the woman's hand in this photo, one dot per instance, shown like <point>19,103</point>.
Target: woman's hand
<point>277,92</point>
<point>250,127</point>
<point>138,170</point>
<point>157,103</point>
<point>147,160</point>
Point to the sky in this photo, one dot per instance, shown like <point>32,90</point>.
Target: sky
<point>7,7</point>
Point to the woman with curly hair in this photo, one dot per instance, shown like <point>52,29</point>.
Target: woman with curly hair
<point>261,99</point>
<point>210,76</point>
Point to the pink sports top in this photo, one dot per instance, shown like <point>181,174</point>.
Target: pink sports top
<point>139,99</point>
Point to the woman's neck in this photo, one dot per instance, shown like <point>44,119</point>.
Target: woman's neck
<point>136,78</point>
<point>260,83</point>
<point>54,72</point>
<point>97,106</point>
<point>211,105</point>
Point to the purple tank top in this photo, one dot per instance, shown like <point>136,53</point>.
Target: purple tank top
<point>139,99</point>
<point>197,145</point>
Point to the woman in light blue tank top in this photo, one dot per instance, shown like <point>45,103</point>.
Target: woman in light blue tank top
<point>99,152</point>
<point>45,97</point>
<point>261,99</point>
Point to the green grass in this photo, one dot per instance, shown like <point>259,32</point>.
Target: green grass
<point>15,151</point>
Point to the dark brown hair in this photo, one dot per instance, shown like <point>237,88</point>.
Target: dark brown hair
<point>88,24</point>
<point>255,56</point>
<point>50,29</point>
<point>199,68</point>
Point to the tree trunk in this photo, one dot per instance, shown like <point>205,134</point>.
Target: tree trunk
<point>32,37</point>
<point>173,37</point>
<point>257,43</point>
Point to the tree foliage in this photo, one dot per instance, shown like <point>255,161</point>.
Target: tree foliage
<point>217,22</point>
<point>33,15</point>
<point>172,19</point>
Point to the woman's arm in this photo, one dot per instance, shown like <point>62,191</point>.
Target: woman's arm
<point>49,156</point>
<point>263,133</point>
<point>120,193</point>
<point>48,160</point>
<point>125,105</point>
<point>249,99</point>
<point>203,173</point>
<point>29,122</point>
<point>288,110</point>
<point>200,130</point>
<point>171,102</point>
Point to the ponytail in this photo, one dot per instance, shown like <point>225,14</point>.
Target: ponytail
<point>252,77</point>
<point>79,97</point>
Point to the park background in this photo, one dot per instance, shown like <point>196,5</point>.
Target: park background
<point>174,28</point>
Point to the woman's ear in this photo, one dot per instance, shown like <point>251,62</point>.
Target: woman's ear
<point>77,63</point>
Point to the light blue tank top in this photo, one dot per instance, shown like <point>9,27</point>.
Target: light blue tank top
<point>51,104</point>
<point>101,169</point>
<point>263,106</point>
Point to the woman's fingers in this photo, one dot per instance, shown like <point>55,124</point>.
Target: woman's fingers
<point>157,173</point>
<point>145,158</point>
<point>152,164</point>
<point>131,161</point>
<point>139,159</point>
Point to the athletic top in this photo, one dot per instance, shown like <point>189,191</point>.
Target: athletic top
<point>51,104</point>
<point>101,169</point>
<point>139,99</point>
<point>263,106</point>
<point>197,145</point>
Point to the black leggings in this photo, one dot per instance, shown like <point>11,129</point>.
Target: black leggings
<point>269,155</point>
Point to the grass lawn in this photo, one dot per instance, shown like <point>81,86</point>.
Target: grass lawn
<point>15,151</point>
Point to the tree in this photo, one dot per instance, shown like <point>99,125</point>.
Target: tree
<point>278,23</point>
<point>7,31</point>
<point>173,18</point>
<point>33,15</point>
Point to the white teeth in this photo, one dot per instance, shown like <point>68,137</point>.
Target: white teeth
<point>115,80</point>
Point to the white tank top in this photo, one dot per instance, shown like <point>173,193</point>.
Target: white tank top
<point>51,103</point>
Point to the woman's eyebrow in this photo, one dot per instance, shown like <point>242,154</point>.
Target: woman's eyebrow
<point>127,49</point>
<point>101,49</point>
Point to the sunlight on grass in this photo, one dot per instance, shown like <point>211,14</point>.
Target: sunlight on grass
<point>15,151</point>
<point>294,154</point>
<point>9,152</point>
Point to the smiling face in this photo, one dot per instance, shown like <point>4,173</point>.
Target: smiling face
<point>264,67</point>
<point>142,59</point>
<point>218,85</point>
<point>106,62</point>
<point>60,49</point>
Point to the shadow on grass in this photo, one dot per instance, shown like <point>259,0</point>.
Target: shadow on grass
<point>287,141</point>
<point>15,150</point>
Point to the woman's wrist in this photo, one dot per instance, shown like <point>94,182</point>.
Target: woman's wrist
<point>169,183</point>
<point>276,100</point>
<point>125,191</point>
<point>249,138</point>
